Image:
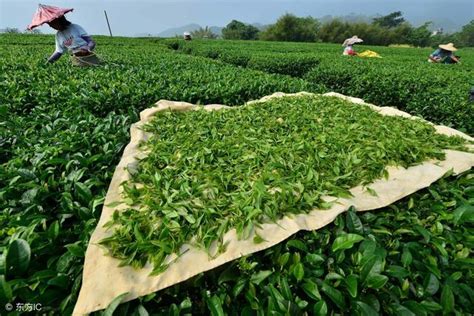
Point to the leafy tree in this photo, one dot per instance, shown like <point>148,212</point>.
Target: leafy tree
<point>371,34</point>
<point>391,20</point>
<point>400,34</point>
<point>203,33</point>
<point>420,36</point>
<point>238,30</point>
<point>437,39</point>
<point>291,28</point>
<point>334,31</point>
<point>466,36</point>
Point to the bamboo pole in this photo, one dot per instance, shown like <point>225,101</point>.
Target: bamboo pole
<point>108,24</point>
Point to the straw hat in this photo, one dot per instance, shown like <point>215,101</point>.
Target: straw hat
<point>353,40</point>
<point>46,14</point>
<point>449,47</point>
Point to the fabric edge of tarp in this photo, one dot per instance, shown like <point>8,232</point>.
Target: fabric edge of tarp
<point>438,169</point>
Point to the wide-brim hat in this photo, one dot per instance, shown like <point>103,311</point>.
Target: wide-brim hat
<point>353,40</point>
<point>46,14</point>
<point>450,47</point>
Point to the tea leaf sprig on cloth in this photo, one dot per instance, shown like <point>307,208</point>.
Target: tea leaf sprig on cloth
<point>209,172</point>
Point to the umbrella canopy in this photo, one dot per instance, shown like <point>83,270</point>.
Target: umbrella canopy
<point>45,14</point>
<point>353,40</point>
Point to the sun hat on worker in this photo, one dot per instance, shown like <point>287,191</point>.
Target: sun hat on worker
<point>46,14</point>
<point>449,47</point>
<point>353,40</point>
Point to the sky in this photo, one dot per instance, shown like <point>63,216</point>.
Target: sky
<point>129,18</point>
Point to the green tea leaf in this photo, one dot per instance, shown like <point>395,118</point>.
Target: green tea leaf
<point>258,277</point>
<point>353,223</point>
<point>431,284</point>
<point>298,244</point>
<point>447,299</point>
<point>311,289</point>
<point>215,306</point>
<point>365,309</point>
<point>109,311</point>
<point>320,308</point>
<point>75,250</point>
<point>298,271</point>
<point>18,257</point>
<point>346,241</point>
<point>334,294</point>
<point>83,192</point>
<point>463,214</point>
<point>5,291</point>
<point>351,282</point>
<point>376,281</point>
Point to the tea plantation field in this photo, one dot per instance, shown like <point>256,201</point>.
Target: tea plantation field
<point>63,130</point>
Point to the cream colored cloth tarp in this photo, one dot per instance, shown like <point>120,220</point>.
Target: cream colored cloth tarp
<point>103,280</point>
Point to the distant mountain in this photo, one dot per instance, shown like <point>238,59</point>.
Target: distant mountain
<point>178,31</point>
<point>449,26</point>
<point>172,32</point>
<point>352,18</point>
<point>217,30</point>
<point>260,26</point>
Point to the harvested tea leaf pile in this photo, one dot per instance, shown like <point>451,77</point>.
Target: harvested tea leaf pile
<point>208,172</point>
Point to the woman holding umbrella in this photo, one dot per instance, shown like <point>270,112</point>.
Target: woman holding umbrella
<point>70,37</point>
<point>348,45</point>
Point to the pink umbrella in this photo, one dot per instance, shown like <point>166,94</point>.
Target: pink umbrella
<point>45,14</point>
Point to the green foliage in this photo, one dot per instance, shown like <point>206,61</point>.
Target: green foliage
<point>403,78</point>
<point>294,64</point>
<point>203,33</point>
<point>237,30</point>
<point>291,28</point>
<point>18,257</point>
<point>438,94</point>
<point>392,29</point>
<point>373,276</point>
<point>131,83</point>
<point>420,36</point>
<point>63,130</point>
<point>256,164</point>
<point>466,35</point>
<point>336,31</point>
<point>393,19</point>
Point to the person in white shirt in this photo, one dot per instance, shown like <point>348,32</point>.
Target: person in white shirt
<point>70,37</point>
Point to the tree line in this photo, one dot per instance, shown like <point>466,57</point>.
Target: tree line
<point>384,30</point>
<point>14,30</point>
